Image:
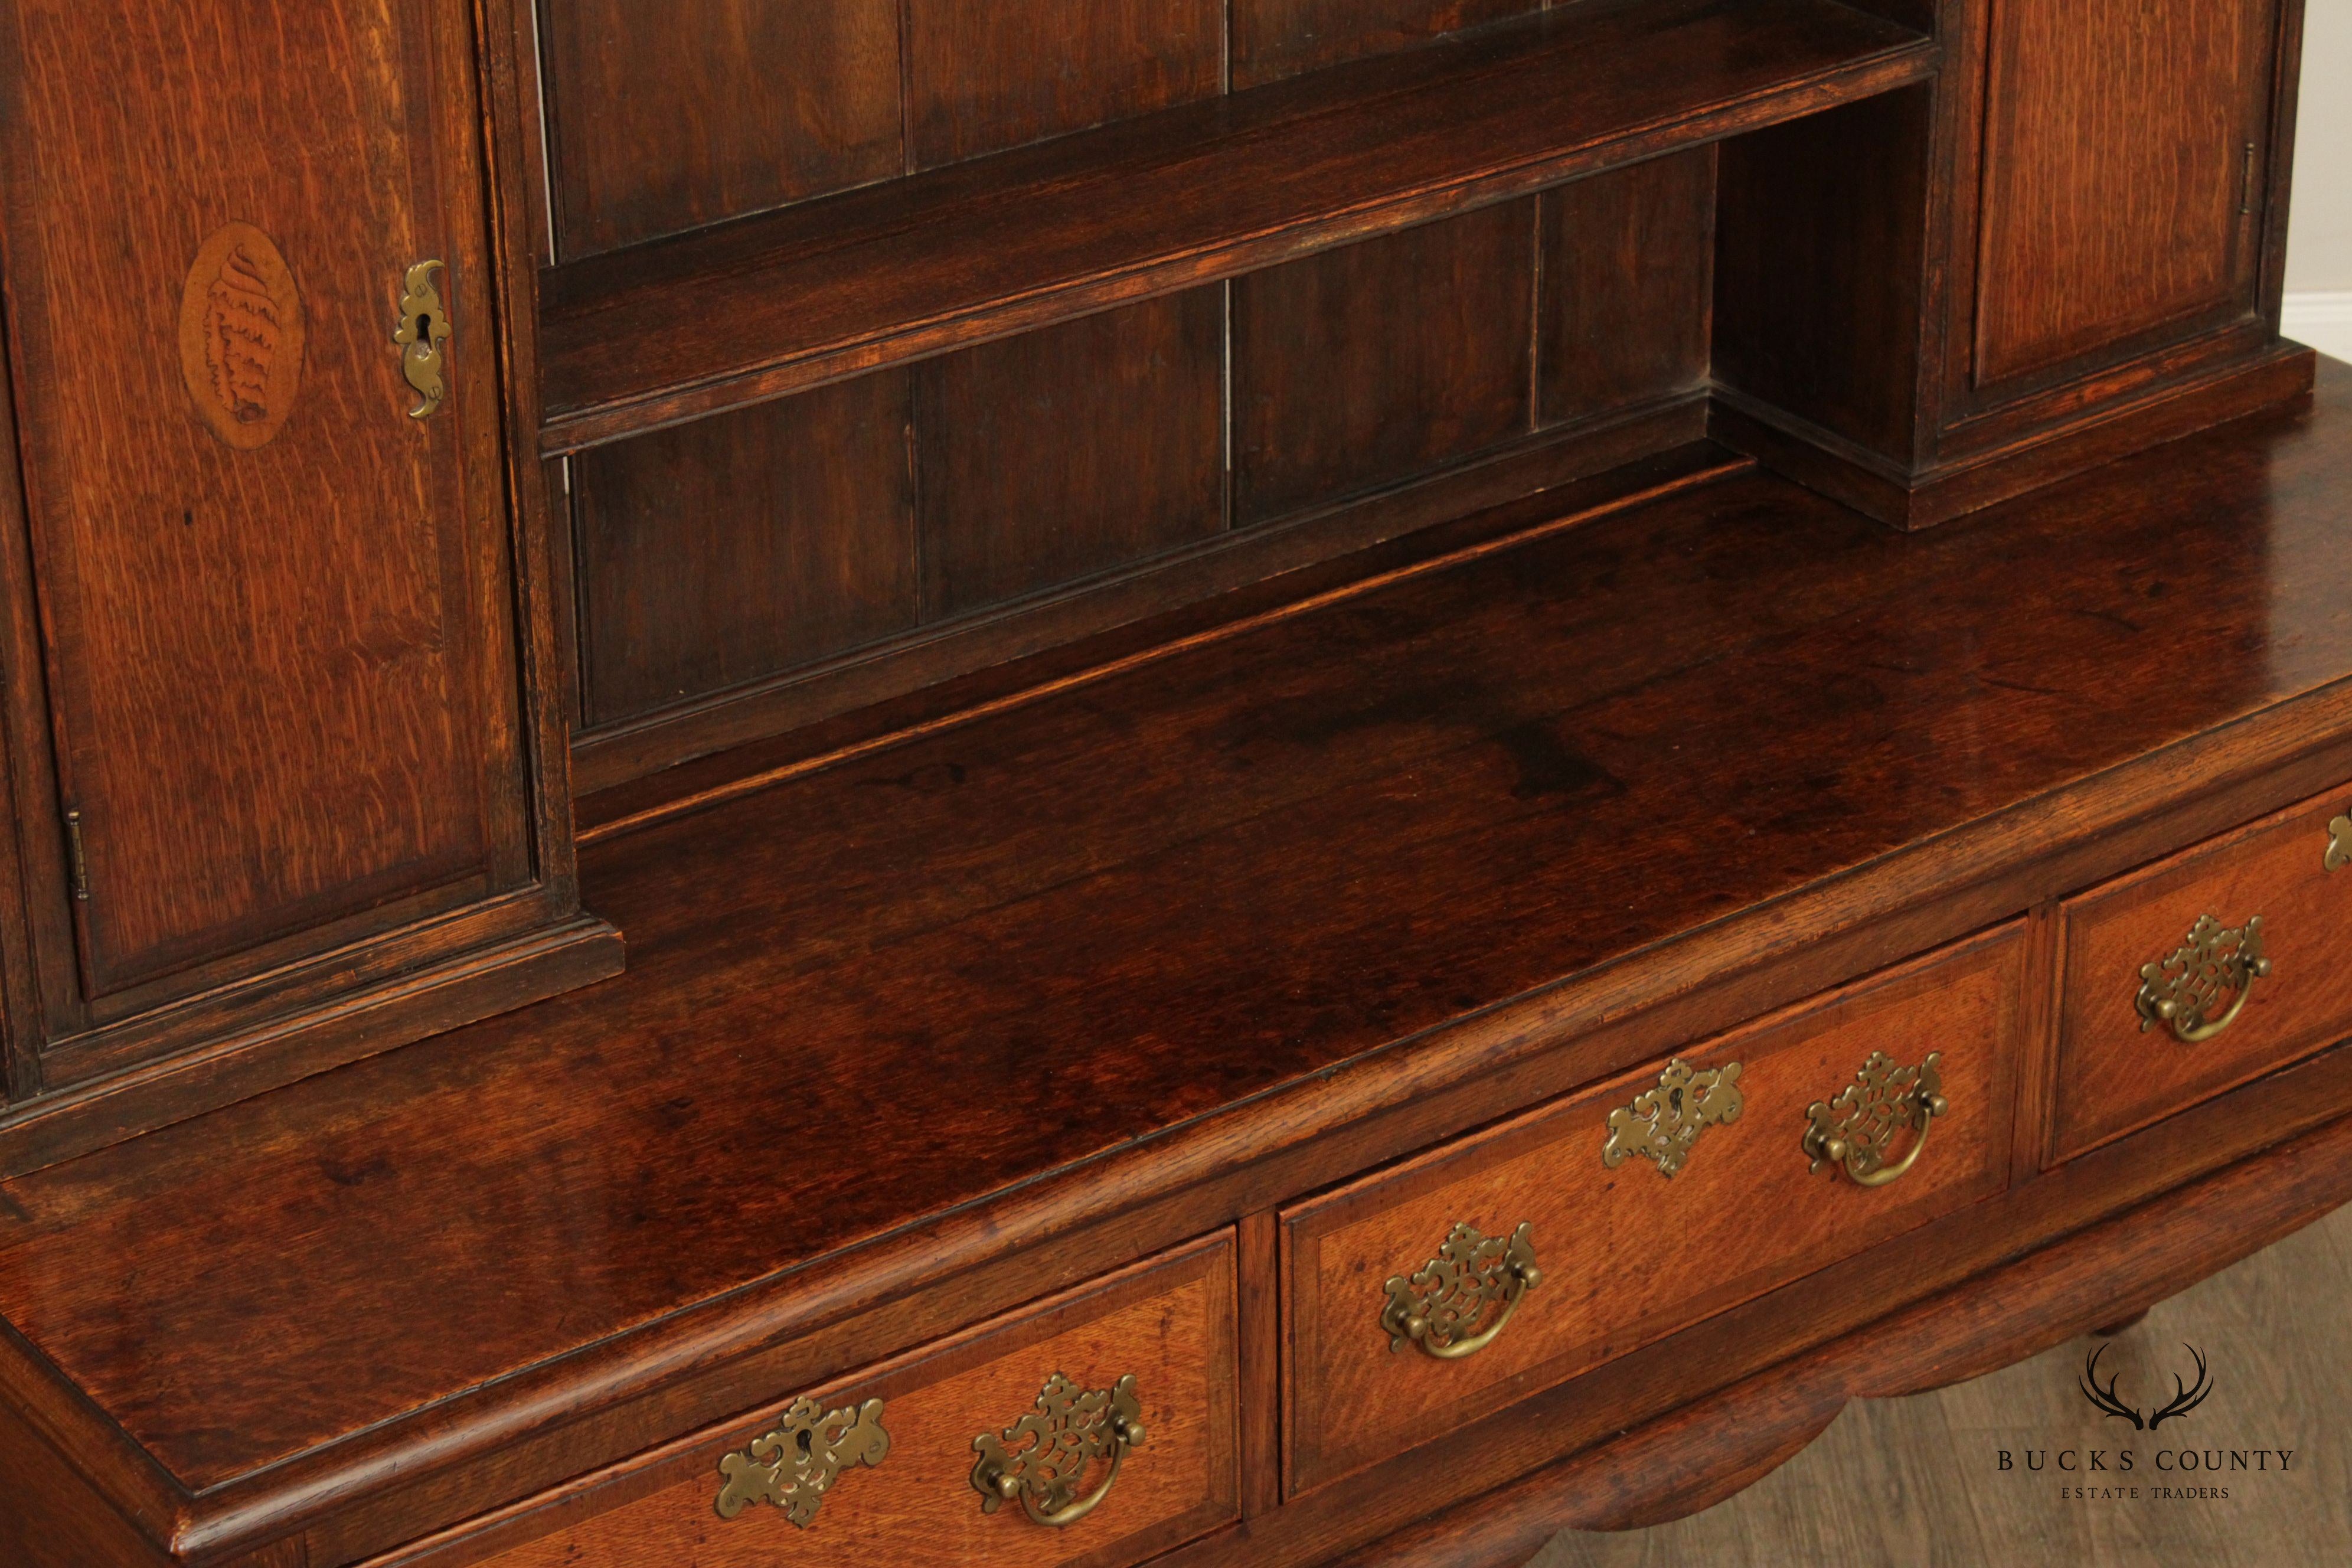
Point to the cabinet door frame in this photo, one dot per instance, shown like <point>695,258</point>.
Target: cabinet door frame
<point>429,958</point>
<point>1982,417</point>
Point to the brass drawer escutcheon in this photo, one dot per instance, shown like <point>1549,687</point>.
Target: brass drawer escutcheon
<point>2339,843</point>
<point>1041,1458</point>
<point>1438,1307</point>
<point>1855,1130</point>
<point>795,1466</point>
<point>425,329</point>
<point>2180,992</point>
<point>1664,1122</point>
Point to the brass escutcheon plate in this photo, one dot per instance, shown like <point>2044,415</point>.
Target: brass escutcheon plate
<point>1664,1124</point>
<point>2340,843</point>
<point>425,329</point>
<point>795,1466</point>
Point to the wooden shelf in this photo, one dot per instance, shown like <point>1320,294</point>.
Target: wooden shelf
<point>767,305</point>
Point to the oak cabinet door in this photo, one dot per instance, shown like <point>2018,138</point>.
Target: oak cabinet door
<point>2127,150</point>
<point>276,608</point>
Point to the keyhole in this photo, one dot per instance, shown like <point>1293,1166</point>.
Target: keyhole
<point>424,332</point>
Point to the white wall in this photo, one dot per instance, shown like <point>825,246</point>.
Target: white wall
<point>2319,247</point>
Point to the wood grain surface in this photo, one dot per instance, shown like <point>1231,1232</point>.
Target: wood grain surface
<point>2124,187</point>
<point>1276,39</point>
<point>1168,1324</point>
<point>2114,1075</point>
<point>983,76</point>
<point>283,691</point>
<point>1626,288</point>
<point>1369,365</point>
<point>752,311</point>
<point>665,117</point>
<point>1064,453</point>
<point>1291,848</point>
<point>724,551</point>
<point>1629,1255</point>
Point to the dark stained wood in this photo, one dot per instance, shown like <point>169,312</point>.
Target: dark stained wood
<point>1257,1257</point>
<point>367,733</point>
<point>1278,38</point>
<point>2124,187</point>
<point>1064,453</point>
<point>727,550</point>
<point>1386,359</point>
<point>290,638</point>
<point>670,116</point>
<point>1351,1400</point>
<point>1859,291</point>
<point>986,250</point>
<point>2149,407</point>
<point>983,76</point>
<point>597,1146</point>
<point>1821,273</point>
<point>1626,298</point>
<point>2112,1075</point>
<point>1138,1001</point>
<point>680,753</point>
<point>56,1516</point>
<point>1169,1324</point>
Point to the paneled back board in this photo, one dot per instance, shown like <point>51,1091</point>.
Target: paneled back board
<point>267,678</point>
<point>787,555</point>
<point>772,565</point>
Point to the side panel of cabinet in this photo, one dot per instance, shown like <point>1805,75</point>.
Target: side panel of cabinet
<point>2126,169</point>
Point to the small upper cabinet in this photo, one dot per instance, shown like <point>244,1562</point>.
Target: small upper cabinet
<point>2126,175</point>
<point>276,687</point>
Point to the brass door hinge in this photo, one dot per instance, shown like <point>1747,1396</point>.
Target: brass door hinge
<point>76,862</point>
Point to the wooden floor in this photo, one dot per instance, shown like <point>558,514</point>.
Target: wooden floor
<point>1916,1481</point>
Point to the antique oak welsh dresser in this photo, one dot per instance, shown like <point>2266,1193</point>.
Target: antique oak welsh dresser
<point>1378,774</point>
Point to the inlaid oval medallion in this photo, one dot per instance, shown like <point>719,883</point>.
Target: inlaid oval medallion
<point>241,336</point>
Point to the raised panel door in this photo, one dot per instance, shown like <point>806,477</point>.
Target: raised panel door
<point>2126,175</point>
<point>278,609</point>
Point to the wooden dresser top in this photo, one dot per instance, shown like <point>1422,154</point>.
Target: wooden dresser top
<point>886,1003</point>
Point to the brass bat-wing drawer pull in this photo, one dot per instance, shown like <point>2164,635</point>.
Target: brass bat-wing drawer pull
<point>1439,1307</point>
<point>2181,990</point>
<point>795,1466</point>
<point>1041,1458</point>
<point>1855,1130</point>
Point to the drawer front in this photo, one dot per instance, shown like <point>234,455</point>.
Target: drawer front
<point>1168,1324</point>
<point>1626,1254</point>
<point>2118,1068</point>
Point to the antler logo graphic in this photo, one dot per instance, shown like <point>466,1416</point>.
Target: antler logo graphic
<point>2186,1397</point>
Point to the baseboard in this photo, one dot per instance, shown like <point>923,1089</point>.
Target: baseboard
<point>2322,318</point>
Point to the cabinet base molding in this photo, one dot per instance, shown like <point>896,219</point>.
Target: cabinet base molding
<point>1822,460</point>
<point>478,984</point>
<point>1688,1461</point>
